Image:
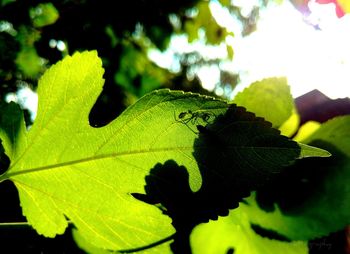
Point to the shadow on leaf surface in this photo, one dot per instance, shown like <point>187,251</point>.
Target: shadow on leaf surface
<point>236,153</point>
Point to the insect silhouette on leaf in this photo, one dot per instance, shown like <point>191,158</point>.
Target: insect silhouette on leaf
<point>196,118</point>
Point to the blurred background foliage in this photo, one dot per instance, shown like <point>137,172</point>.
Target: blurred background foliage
<point>128,37</point>
<point>37,34</point>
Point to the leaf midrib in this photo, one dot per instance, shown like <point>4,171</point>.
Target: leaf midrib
<point>125,153</point>
<point>50,121</point>
<point>92,158</point>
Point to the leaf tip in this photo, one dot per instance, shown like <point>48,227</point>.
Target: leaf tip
<point>311,151</point>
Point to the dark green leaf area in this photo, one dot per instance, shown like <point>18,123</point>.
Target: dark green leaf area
<point>4,160</point>
<point>306,194</point>
<point>236,154</point>
<point>10,120</point>
<point>271,234</point>
<point>303,184</point>
<point>12,126</point>
<point>167,186</point>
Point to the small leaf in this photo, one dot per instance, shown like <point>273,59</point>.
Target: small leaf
<point>291,125</point>
<point>44,14</point>
<point>29,62</point>
<point>312,151</point>
<point>306,130</point>
<point>269,98</point>
<point>12,129</point>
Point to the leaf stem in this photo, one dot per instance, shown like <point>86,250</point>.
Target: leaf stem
<point>19,224</point>
<point>14,224</point>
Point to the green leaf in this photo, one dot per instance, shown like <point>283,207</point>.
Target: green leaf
<point>69,169</point>
<point>235,232</point>
<point>312,198</point>
<point>136,68</point>
<point>236,153</point>
<point>269,98</point>
<point>12,129</point>
<point>306,130</point>
<point>335,132</point>
<point>291,125</point>
<point>44,14</point>
<point>245,151</point>
<point>312,151</point>
<point>214,33</point>
<point>29,62</point>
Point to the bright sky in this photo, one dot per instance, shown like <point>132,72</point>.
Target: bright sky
<point>283,45</point>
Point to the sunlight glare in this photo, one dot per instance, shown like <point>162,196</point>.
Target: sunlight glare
<point>285,45</point>
<point>26,98</point>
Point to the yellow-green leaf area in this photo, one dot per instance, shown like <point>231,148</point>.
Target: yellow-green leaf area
<point>306,130</point>
<point>67,169</point>
<point>269,98</point>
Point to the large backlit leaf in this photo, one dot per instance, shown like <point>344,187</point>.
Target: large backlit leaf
<point>234,232</point>
<point>64,168</point>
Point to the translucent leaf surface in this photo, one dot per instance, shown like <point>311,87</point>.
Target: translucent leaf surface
<point>269,98</point>
<point>291,125</point>
<point>306,130</point>
<point>69,169</point>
